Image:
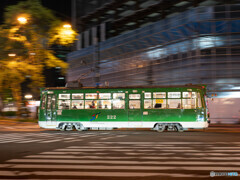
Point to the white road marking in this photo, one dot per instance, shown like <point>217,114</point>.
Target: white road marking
<point>156,156</point>
<point>7,173</point>
<point>47,166</point>
<point>211,154</point>
<point>49,141</point>
<point>73,153</point>
<point>224,148</point>
<point>73,161</point>
<point>29,141</point>
<point>105,138</point>
<point>127,150</point>
<point>147,143</point>
<point>97,174</point>
<point>127,147</point>
<point>156,143</point>
<point>120,157</point>
<point>92,150</point>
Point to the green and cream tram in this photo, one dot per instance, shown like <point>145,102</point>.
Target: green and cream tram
<point>172,108</point>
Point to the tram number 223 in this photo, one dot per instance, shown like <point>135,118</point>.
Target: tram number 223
<point>111,116</point>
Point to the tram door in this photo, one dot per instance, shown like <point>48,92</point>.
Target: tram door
<point>134,110</point>
<point>51,108</point>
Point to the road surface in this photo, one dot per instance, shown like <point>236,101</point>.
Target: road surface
<point>33,153</point>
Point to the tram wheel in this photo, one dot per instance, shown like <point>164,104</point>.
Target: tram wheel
<point>179,128</point>
<point>160,127</point>
<point>79,127</point>
<point>69,127</point>
<point>62,127</point>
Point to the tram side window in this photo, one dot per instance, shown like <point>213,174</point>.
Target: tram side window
<point>159,95</point>
<point>77,96</point>
<point>147,95</point>
<point>147,104</point>
<point>159,103</point>
<point>64,96</point>
<point>199,100</point>
<point>104,104</point>
<point>104,95</point>
<point>134,96</point>
<point>90,104</point>
<point>134,104</point>
<point>189,103</point>
<point>118,104</point>
<point>118,95</point>
<point>43,101</point>
<point>91,96</point>
<point>174,94</point>
<point>77,104</point>
<point>174,103</point>
<point>189,94</point>
<point>63,104</point>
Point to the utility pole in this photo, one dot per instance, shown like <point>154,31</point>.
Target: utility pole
<point>73,15</point>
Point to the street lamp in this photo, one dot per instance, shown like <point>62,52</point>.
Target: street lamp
<point>22,20</point>
<point>67,29</point>
<point>11,55</point>
<point>28,96</point>
<point>67,26</point>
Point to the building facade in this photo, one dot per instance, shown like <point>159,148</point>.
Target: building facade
<point>200,45</point>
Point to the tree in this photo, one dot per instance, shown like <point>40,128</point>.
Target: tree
<point>25,40</point>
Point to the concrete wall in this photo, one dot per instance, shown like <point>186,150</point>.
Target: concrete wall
<point>224,110</point>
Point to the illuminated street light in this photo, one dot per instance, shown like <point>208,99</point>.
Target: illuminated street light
<point>22,20</point>
<point>63,35</point>
<point>28,96</point>
<point>67,26</point>
<point>11,55</point>
<point>67,29</point>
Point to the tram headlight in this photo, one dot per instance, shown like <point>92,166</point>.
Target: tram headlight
<point>200,118</point>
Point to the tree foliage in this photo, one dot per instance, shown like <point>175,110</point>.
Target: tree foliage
<point>30,44</point>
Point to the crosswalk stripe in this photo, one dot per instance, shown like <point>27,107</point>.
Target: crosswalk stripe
<point>97,174</point>
<point>211,154</point>
<point>56,140</point>
<point>129,150</point>
<point>49,138</point>
<point>120,157</point>
<point>127,147</point>
<point>29,141</point>
<point>110,167</point>
<point>156,143</point>
<point>224,148</point>
<point>82,153</point>
<point>121,162</point>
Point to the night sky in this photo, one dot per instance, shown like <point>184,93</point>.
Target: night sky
<point>61,8</point>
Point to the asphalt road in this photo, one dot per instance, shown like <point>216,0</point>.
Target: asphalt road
<point>117,155</point>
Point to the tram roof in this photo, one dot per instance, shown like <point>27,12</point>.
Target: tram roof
<point>127,87</point>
